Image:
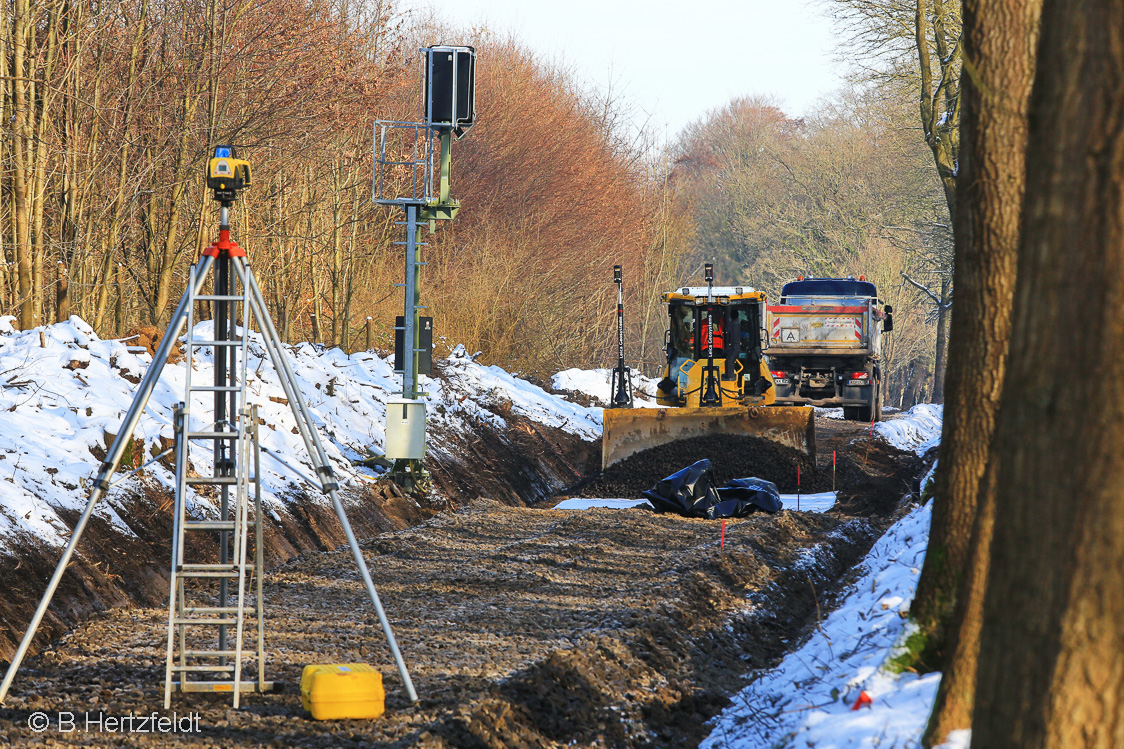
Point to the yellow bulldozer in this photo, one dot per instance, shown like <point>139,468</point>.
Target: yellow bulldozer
<point>716,380</point>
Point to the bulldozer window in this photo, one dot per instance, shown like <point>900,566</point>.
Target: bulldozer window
<point>682,331</point>
<point>749,333</point>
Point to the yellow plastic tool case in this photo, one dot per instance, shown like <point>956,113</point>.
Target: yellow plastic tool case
<point>335,692</point>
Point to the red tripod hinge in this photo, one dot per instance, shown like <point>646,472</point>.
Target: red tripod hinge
<point>224,245</point>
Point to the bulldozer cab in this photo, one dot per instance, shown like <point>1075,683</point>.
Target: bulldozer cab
<point>724,334</point>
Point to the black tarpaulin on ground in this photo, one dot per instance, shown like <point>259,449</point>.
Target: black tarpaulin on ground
<point>691,492</point>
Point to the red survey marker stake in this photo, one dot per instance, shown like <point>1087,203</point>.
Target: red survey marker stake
<point>864,700</point>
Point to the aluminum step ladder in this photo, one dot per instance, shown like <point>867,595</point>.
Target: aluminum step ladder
<point>203,611</point>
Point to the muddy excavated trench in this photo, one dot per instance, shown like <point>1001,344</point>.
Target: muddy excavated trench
<point>522,626</point>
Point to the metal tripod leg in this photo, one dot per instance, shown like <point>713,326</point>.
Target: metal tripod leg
<point>319,457</point>
<point>101,483</point>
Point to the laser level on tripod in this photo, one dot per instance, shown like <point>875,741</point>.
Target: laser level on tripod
<point>227,174</point>
<point>449,110</point>
<point>209,606</point>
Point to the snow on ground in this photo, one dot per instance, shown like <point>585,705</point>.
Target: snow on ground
<point>918,429</point>
<point>807,701</point>
<point>64,392</point>
<point>596,383</point>
<point>821,502</point>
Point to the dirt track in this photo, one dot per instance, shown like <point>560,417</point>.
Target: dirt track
<point>522,627</point>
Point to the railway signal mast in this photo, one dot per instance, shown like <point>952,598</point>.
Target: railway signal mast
<point>405,176</point>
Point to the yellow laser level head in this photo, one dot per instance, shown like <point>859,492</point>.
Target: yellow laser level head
<point>226,173</point>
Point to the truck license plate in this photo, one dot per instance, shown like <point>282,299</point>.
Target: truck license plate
<point>858,382</point>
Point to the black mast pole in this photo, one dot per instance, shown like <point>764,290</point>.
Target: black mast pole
<point>622,383</point>
<point>710,396</point>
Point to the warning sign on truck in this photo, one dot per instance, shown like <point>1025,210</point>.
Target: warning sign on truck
<point>790,335</point>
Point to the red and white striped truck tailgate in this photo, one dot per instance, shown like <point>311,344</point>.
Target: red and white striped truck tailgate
<point>820,327</point>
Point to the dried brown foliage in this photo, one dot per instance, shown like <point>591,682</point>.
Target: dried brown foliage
<point>110,110</point>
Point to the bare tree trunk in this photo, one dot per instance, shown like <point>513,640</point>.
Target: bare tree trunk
<point>21,168</point>
<point>1051,663</point>
<point>117,214</point>
<point>939,106</point>
<point>943,308</point>
<point>999,38</point>
<point>119,307</point>
<point>44,94</point>
<point>62,294</point>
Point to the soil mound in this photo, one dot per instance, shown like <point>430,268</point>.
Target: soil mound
<point>731,457</point>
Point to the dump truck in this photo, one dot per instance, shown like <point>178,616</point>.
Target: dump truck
<point>715,381</point>
<point>825,345</point>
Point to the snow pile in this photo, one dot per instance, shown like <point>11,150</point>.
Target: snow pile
<point>596,383</point>
<point>918,429</point>
<point>64,392</point>
<point>807,701</point>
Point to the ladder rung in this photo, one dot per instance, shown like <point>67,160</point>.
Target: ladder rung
<point>211,653</point>
<point>221,686</point>
<point>206,622</point>
<point>209,525</point>
<point>203,669</point>
<point>212,480</point>
<point>216,343</point>
<point>211,610</point>
<point>215,388</point>
<point>219,298</point>
<point>213,435</point>
<point>207,570</point>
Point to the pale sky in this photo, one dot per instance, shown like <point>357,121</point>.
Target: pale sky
<point>670,60</point>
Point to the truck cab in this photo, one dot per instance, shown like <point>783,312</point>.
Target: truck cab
<point>825,345</point>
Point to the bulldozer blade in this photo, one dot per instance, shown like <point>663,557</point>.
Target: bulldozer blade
<point>629,430</point>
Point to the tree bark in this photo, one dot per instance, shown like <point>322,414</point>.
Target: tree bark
<point>939,106</point>
<point>62,294</point>
<point>999,45</point>
<point>1051,662</point>
<point>944,306</point>
<point>21,169</point>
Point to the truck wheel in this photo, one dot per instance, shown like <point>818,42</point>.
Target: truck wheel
<point>851,413</point>
<point>863,413</point>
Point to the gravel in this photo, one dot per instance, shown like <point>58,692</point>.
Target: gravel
<point>521,627</point>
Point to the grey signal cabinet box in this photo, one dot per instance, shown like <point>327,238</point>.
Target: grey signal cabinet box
<point>425,343</point>
<point>405,429</point>
<point>450,88</point>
